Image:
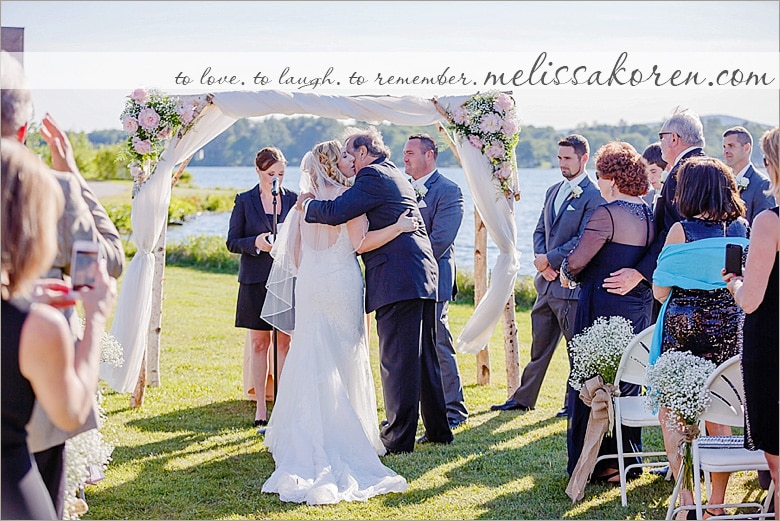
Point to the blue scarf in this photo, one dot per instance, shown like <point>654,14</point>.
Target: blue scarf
<point>689,265</point>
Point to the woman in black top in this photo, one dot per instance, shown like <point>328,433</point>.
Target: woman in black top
<point>250,234</point>
<point>38,357</point>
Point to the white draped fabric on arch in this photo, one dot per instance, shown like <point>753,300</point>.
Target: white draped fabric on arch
<point>219,111</point>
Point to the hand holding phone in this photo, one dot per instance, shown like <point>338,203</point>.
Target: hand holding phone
<point>734,259</point>
<point>84,264</point>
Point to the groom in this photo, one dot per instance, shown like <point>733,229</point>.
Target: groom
<point>401,280</point>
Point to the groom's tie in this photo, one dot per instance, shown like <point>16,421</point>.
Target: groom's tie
<point>563,194</point>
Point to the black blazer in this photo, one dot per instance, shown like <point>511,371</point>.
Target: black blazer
<point>402,269</point>
<point>247,221</point>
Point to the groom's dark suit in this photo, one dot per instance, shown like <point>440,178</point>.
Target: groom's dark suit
<point>401,280</point>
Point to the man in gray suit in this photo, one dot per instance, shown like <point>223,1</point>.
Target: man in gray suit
<point>567,209</point>
<point>752,184</point>
<point>441,205</point>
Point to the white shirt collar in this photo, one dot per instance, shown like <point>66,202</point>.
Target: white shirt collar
<point>421,181</point>
<point>682,154</point>
<point>742,172</point>
<point>579,179</point>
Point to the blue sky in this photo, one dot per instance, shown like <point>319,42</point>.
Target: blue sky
<point>674,30</point>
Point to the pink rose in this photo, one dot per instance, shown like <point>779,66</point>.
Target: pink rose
<point>187,114</point>
<point>460,116</point>
<point>148,118</point>
<point>135,169</point>
<point>503,102</point>
<point>490,123</point>
<point>164,133</point>
<point>142,146</point>
<point>495,150</point>
<point>130,124</point>
<point>140,96</point>
<point>504,171</point>
<point>509,127</point>
<point>475,142</point>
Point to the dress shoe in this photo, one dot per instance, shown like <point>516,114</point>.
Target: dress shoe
<point>261,431</point>
<point>454,424</point>
<point>424,439</point>
<point>510,405</point>
<point>390,452</point>
<point>384,423</point>
<point>563,413</point>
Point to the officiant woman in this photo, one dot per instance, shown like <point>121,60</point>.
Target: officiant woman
<point>250,234</point>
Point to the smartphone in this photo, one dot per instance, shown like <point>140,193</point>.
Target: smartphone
<point>734,259</point>
<point>84,264</point>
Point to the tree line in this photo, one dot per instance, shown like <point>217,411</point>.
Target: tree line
<point>100,154</point>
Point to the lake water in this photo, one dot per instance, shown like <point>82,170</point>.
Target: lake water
<point>533,184</point>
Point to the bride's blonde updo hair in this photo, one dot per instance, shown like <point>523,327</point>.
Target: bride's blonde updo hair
<point>321,166</point>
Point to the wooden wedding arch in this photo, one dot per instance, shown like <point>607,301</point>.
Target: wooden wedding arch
<point>138,316</point>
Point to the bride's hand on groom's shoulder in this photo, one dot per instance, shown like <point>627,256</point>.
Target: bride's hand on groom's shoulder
<point>407,223</point>
<point>302,199</point>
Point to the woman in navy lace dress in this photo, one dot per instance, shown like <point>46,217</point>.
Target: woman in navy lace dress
<point>617,236</point>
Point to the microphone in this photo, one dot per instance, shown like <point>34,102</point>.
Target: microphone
<point>275,187</point>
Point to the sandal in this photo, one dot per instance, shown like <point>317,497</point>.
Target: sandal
<point>608,476</point>
<point>709,513</point>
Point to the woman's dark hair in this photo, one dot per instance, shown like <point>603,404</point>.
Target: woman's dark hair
<point>267,157</point>
<point>621,162</point>
<point>705,185</point>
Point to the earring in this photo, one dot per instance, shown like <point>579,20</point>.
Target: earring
<point>612,190</point>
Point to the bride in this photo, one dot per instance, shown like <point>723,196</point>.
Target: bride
<point>323,432</point>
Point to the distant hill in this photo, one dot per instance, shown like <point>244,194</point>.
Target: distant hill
<point>537,148</point>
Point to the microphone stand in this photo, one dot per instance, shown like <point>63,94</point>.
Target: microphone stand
<point>275,194</point>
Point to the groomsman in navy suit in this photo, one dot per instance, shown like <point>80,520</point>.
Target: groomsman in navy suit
<point>401,284</point>
<point>441,205</point>
<point>752,184</point>
<point>568,206</point>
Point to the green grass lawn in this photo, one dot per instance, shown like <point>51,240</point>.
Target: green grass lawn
<point>190,452</point>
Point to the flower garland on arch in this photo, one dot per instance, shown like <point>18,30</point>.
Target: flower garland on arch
<point>151,119</point>
<point>488,121</point>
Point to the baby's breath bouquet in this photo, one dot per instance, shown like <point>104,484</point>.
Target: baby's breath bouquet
<point>676,382</point>
<point>89,448</point>
<point>597,350</point>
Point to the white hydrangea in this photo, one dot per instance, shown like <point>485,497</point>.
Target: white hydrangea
<point>597,350</point>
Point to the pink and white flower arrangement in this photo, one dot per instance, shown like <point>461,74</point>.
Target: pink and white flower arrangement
<point>489,123</point>
<point>151,119</point>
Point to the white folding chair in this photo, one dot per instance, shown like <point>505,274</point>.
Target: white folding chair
<point>723,453</point>
<point>630,410</point>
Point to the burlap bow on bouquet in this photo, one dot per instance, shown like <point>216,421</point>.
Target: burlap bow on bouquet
<point>598,396</point>
<point>595,357</point>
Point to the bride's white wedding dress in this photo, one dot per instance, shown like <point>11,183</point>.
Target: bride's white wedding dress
<point>323,431</point>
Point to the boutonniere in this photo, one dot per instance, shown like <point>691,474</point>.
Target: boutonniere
<point>421,191</point>
<point>743,183</point>
<point>576,191</point>
<point>664,175</point>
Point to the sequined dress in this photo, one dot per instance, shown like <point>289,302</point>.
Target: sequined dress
<point>708,323</point>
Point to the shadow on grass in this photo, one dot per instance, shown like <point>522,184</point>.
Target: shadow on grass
<point>211,465</point>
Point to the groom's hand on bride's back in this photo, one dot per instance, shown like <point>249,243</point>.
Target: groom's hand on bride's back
<point>302,199</point>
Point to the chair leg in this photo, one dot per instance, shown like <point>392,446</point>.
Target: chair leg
<point>675,493</point>
<point>621,464</point>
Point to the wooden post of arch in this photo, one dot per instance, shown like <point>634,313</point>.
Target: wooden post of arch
<point>511,351</point>
<point>150,363</point>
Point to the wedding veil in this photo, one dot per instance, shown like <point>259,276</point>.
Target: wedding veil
<point>321,177</point>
